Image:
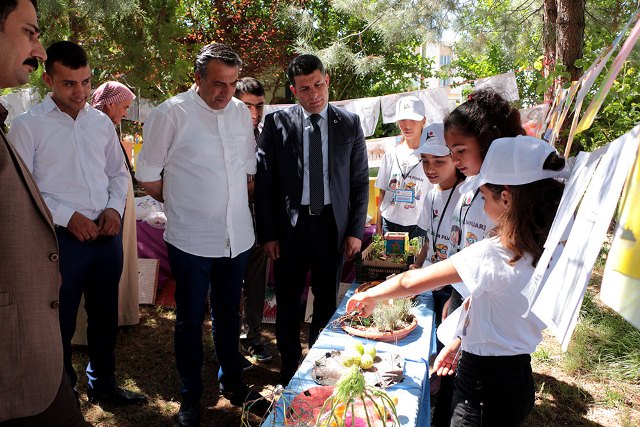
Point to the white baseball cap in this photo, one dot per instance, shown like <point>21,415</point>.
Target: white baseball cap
<point>432,141</point>
<point>513,161</point>
<point>409,108</point>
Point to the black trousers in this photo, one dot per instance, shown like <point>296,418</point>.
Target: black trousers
<point>313,247</point>
<point>492,390</point>
<point>64,411</point>
<point>442,413</point>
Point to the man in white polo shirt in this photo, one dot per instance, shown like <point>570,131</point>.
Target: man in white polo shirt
<point>198,151</point>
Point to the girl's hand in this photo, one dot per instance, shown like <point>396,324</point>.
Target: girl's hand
<point>361,304</point>
<point>414,266</point>
<point>447,360</point>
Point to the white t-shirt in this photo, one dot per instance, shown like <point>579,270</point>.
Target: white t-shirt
<point>494,325</point>
<point>470,224</point>
<point>436,219</point>
<point>402,178</point>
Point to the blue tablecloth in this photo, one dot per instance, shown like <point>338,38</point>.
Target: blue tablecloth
<point>413,392</point>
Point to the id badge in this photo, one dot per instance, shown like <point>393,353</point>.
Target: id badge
<point>404,196</point>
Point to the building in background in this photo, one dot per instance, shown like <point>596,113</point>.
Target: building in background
<point>441,53</point>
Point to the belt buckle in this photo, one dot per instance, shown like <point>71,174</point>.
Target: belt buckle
<point>311,212</point>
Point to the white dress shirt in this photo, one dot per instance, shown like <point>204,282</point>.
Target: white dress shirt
<point>323,124</point>
<point>206,155</point>
<point>77,164</point>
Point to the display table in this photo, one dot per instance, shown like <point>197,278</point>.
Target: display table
<point>413,392</point>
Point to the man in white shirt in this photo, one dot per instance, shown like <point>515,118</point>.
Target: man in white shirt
<point>74,155</point>
<point>198,151</point>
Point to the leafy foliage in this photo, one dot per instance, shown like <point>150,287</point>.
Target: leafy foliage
<point>260,31</point>
<point>370,48</point>
<point>150,45</point>
<point>130,40</point>
<point>499,36</point>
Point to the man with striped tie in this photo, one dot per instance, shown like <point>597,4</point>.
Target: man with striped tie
<point>311,201</point>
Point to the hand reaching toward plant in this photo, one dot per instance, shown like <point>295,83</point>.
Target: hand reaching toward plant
<point>361,304</point>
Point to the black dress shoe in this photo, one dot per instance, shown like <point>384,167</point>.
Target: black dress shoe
<point>189,415</point>
<point>117,396</point>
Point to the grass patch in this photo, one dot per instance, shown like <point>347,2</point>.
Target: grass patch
<point>613,398</point>
<point>542,355</point>
<point>604,344</point>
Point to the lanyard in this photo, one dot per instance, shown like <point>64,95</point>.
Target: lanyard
<point>464,220</point>
<point>405,175</point>
<point>433,200</point>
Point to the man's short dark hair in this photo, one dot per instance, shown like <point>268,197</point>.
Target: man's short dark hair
<point>303,65</point>
<point>8,6</point>
<point>215,52</point>
<point>249,85</point>
<point>69,54</point>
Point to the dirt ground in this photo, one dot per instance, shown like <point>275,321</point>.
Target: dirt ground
<point>145,362</point>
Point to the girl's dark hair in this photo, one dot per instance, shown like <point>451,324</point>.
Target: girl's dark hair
<point>526,223</point>
<point>486,116</point>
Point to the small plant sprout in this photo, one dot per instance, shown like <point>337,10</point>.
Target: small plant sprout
<point>353,403</point>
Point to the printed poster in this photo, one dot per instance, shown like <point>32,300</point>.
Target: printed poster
<point>620,288</point>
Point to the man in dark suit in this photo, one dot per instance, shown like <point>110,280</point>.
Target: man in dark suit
<point>34,390</point>
<point>311,202</point>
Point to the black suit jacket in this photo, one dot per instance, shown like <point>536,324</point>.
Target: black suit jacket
<point>281,171</point>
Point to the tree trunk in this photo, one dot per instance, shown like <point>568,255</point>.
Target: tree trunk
<point>570,35</point>
<point>549,40</point>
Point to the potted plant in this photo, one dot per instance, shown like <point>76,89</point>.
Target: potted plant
<point>389,322</point>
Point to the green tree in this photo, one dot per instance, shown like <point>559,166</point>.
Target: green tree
<point>150,45</point>
<point>369,47</point>
<point>498,36</point>
<point>136,42</point>
<point>260,31</point>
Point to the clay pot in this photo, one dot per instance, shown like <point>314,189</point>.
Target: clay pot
<point>387,336</point>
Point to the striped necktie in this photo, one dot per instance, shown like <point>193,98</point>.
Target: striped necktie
<point>316,179</point>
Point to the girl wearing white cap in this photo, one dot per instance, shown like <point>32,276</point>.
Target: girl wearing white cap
<point>469,131</point>
<point>439,204</point>
<point>440,201</point>
<point>401,179</point>
<point>494,382</point>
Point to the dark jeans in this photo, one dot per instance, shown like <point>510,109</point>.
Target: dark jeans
<point>442,412</point>
<point>413,230</point>
<point>64,411</point>
<point>312,247</point>
<point>255,281</point>
<point>492,390</point>
<point>92,268</point>
<point>196,277</point>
